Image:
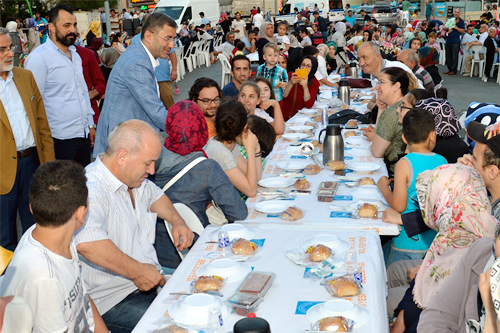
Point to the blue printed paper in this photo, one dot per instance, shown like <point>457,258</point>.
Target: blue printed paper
<point>339,214</point>
<point>303,306</point>
<point>348,157</point>
<point>259,242</point>
<point>272,215</point>
<point>308,269</point>
<point>347,148</point>
<point>343,197</point>
<point>298,157</point>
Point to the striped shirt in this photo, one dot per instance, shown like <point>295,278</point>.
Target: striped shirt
<point>112,216</point>
<point>275,75</point>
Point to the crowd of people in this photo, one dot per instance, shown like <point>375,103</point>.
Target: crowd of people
<point>85,167</point>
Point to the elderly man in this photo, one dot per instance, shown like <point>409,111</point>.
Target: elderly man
<point>240,70</point>
<point>371,62</point>
<point>119,263</point>
<point>26,141</point>
<point>410,59</point>
<point>58,72</point>
<point>227,47</point>
<point>137,96</point>
<point>453,44</point>
<point>483,34</point>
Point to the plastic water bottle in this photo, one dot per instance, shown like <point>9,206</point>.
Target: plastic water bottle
<point>352,265</point>
<point>342,71</point>
<point>215,321</point>
<point>223,239</point>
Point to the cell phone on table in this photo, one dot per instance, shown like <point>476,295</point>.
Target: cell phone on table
<point>340,173</point>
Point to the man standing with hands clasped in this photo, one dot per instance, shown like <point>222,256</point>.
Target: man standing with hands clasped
<point>453,44</point>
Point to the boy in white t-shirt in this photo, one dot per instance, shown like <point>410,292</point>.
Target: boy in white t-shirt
<point>282,39</point>
<point>45,269</point>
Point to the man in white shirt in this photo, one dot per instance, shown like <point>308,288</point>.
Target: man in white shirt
<point>238,26</point>
<point>483,34</point>
<point>45,270</point>
<point>119,263</point>
<point>257,20</point>
<point>227,47</point>
<point>58,72</point>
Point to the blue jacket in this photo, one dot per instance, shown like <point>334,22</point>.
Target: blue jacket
<point>131,93</point>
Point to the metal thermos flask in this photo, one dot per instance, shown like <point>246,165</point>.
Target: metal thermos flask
<point>353,70</point>
<point>333,144</point>
<point>345,92</point>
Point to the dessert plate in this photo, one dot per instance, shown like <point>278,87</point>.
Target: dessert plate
<point>225,268</point>
<point>193,310</point>
<point>234,230</point>
<point>276,182</point>
<point>359,314</point>
<point>332,241</point>
<point>272,206</point>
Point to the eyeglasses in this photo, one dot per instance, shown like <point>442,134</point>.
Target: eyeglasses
<point>306,66</point>
<point>379,83</point>
<point>216,100</point>
<point>168,40</point>
<point>12,48</point>
<point>403,107</point>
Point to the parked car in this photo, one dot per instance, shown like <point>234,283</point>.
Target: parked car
<point>382,13</point>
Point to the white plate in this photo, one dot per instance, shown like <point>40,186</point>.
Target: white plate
<point>363,167</point>
<point>193,310</point>
<point>339,307</point>
<point>332,241</point>
<point>293,165</point>
<point>272,206</point>
<point>276,182</point>
<point>295,136</point>
<point>357,140</point>
<point>234,230</point>
<point>225,268</point>
<point>309,112</point>
<point>367,192</point>
<point>320,105</point>
<point>295,150</point>
<point>359,152</point>
<point>302,128</point>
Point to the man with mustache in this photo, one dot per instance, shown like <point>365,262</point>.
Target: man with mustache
<point>58,72</point>
<point>26,141</point>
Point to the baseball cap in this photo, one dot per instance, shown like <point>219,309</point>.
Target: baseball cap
<point>488,135</point>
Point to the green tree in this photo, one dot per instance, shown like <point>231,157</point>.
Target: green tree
<point>88,5</point>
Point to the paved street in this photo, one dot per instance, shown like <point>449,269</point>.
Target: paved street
<point>461,90</point>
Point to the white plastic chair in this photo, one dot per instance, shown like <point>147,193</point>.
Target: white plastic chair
<point>181,69</point>
<point>226,69</point>
<point>187,57</point>
<point>203,55</point>
<point>498,76</point>
<point>192,221</point>
<point>461,58</point>
<point>442,52</point>
<point>477,60</point>
<point>193,54</point>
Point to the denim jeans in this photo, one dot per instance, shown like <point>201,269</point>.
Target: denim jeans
<point>392,255</point>
<point>452,50</point>
<point>124,316</point>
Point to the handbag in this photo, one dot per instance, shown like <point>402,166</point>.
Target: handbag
<point>359,83</point>
<point>342,117</point>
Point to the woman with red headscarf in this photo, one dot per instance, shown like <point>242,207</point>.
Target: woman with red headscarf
<point>199,185</point>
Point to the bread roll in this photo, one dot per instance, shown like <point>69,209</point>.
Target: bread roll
<point>349,133</point>
<point>206,283</point>
<point>302,184</point>
<point>352,122</point>
<point>311,169</point>
<point>367,210</point>
<point>319,252</point>
<point>292,214</point>
<point>366,181</point>
<point>243,246</point>
<point>342,287</point>
<point>318,119</point>
<point>172,329</point>
<point>336,165</point>
<point>315,143</point>
<point>334,324</point>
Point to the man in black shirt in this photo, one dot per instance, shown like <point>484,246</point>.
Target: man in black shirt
<point>366,17</point>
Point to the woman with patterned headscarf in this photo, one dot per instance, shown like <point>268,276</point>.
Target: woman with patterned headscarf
<point>429,58</point>
<point>33,38</point>
<point>203,183</point>
<point>93,32</point>
<point>453,201</point>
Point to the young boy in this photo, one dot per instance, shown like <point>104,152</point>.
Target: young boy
<point>431,42</point>
<point>281,38</point>
<point>45,270</point>
<point>304,34</point>
<point>272,71</point>
<point>419,133</point>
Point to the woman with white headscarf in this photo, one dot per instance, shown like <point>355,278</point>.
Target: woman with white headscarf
<point>322,67</point>
<point>339,39</point>
<point>266,35</point>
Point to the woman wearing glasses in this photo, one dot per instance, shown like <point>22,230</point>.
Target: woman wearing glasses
<point>392,86</point>
<point>301,91</point>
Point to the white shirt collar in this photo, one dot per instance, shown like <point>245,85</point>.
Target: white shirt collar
<point>10,76</point>
<point>154,62</point>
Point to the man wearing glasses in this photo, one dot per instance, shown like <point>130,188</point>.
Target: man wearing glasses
<point>133,91</point>
<point>207,94</point>
<point>26,141</point>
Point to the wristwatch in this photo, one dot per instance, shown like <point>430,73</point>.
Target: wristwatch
<point>92,126</point>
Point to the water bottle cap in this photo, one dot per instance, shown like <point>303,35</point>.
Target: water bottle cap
<point>251,315</point>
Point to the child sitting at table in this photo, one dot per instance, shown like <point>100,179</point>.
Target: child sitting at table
<point>272,71</point>
<point>419,133</point>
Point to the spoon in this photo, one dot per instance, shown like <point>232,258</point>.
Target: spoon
<point>307,149</point>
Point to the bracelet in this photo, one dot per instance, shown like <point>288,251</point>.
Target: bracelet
<point>290,83</point>
<point>259,154</point>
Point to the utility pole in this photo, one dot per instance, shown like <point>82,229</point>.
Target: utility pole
<point>108,22</point>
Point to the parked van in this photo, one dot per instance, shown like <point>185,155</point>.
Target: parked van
<point>188,10</point>
<point>288,14</point>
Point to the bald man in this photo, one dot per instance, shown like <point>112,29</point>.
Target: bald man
<point>410,58</point>
<point>119,266</point>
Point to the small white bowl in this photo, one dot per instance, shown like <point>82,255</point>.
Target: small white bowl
<point>332,241</point>
<point>339,307</point>
<point>294,136</point>
<point>225,268</point>
<point>367,192</point>
<point>234,230</point>
<point>193,310</point>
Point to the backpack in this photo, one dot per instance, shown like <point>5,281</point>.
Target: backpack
<point>342,117</point>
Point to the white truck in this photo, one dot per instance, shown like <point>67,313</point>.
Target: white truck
<point>189,10</point>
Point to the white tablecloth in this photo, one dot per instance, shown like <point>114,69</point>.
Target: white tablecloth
<point>253,57</point>
<point>290,292</point>
<point>317,214</point>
